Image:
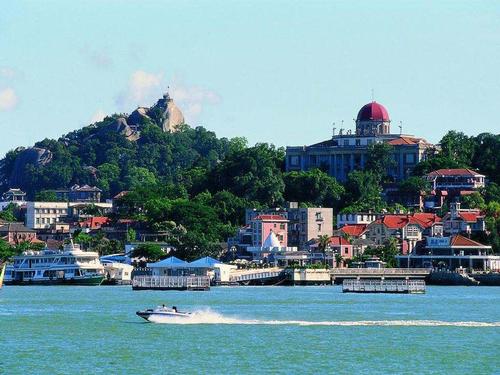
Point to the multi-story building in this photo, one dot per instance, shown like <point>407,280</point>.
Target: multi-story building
<point>77,193</point>
<point>304,223</point>
<point>40,215</point>
<point>357,218</point>
<point>263,225</point>
<point>460,220</point>
<point>348,151</point>
<point>456,180</point>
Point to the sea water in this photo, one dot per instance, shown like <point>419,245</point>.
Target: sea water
<point>243,330</point>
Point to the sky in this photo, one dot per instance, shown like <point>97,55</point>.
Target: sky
<point>280,72</point>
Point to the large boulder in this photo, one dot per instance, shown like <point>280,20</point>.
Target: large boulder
<point>170,115</point>
<point>121,126</point>
<point>137,116</point>
<point>35,156</point>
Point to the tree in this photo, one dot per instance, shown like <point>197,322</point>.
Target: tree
<point>380,159</point>
<point>83,239</point>
<point>313,187</point>
<point>6,250</point>
<point>46,196</point>
<point>338,259</point>
<point>363,192</point>
<point>474,200</point>
<point>414,185</point>
<point>9,213</point>
<point>323,241</point>
<point>458,147</point>
<point>387,253</point>
<point>152,252</point>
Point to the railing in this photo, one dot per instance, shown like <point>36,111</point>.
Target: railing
<point>383,286</point>
<point>380,271</point>
<point>255,275</point>
<point>171,282</point>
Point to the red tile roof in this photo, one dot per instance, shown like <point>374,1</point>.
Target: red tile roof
<point>459,240</point>
<point>270,218</point>
<point>426,219</point>
<point>94,222</point>
<point>401,141</point>
<point>338,241</point>
<point>454,172</point>
<point>354,230</point>
<point>470,217</point>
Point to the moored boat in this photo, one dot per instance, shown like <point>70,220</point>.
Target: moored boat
<point>70,266</point>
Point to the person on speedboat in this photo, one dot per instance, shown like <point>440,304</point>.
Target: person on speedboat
<point>174,308</point>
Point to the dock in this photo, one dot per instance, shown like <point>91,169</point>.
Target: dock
<point>340,274</point>
<point>171,283</point>
<point>383,286</point>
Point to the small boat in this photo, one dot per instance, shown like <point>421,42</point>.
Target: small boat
<point>162,311</point>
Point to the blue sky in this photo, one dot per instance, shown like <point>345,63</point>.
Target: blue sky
<point>272,71</point>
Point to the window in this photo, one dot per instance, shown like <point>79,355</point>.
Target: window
<point>358,142</point>
<point>346,142</point>
<point>346,250</point>
<point>319,227</point>
<point>282,226</point>
<point>294,160</point>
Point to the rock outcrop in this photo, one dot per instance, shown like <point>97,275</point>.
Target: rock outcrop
<point>170,115</point>
<point>35,156</point>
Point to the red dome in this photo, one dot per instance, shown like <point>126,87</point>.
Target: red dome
<point>373,112</point>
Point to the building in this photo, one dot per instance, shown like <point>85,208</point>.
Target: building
<point>337,246</point>
<point>405,228</point>
<point>356,218</point>
<point>460,220</point>
<point>451,253</point>
<point>40,215</point>
<point>14,196</point>
<point>306,224</point>
<point>15,233</point>
<point>77,193</point>
<point>263,225</point>
<point>348,151</point>
<point>456,180</point>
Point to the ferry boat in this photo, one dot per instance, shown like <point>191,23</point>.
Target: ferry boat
<point>51,267</point>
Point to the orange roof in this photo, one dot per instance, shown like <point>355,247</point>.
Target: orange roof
<point>459,240</point>
<point>270,218</point>
<point>455,172</point>
<point>403,141</point>
<point>338,240</point>
<point>94,222</point>
<point>395,221</point>
<point>470,217</point>
<point>354,230</point>
<point>426,219</point>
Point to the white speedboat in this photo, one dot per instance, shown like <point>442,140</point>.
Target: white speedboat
<point>162,312</point>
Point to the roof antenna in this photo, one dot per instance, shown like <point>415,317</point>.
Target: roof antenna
<point>373,95</point>
<point>400,127</point>
<point>334,128</point>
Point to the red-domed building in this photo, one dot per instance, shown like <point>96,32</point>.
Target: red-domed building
<point>348,150</point>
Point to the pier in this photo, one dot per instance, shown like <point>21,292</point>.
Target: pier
<point>171,283</point>
<point>383,286</point>
<point>340,274</point>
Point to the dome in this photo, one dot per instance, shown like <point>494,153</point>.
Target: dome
<point>373,112</point>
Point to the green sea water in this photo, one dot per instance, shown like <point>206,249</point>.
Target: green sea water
<point>243,330</point>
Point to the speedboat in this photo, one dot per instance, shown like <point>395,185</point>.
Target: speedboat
<point>162,311</point>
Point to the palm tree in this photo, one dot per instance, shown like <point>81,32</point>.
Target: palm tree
<point>338,259</point>
<point>323,241</point>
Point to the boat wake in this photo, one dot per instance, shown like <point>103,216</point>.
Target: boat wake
<point>211,317</point>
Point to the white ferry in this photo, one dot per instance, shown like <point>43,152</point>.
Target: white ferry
<point>49,267</point>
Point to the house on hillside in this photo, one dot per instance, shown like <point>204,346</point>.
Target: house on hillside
<point>460,220</point>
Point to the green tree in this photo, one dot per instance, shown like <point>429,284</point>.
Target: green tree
<point>313,187</point>
<point>9,213</point>
<point>380,159</point>
<point>152,252</point>
<point>46,196</point>
<point>363,192</point>
<point>474,200</point>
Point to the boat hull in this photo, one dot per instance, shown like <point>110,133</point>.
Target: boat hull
<point>90,281</point>
<point>148,314</point>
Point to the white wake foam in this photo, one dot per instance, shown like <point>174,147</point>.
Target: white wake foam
<point>211,317</point>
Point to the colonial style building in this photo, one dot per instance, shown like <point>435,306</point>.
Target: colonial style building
<point>348,151</point>
<point>456,180</point>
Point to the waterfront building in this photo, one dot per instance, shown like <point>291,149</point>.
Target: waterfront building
<point>452,253</point>
<point>263,225</point>
<point>348,151</point>
<point>303,224</point>
<point>270,247</point>
<point>337,246</point>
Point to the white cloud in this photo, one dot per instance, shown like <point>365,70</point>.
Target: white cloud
<point>97,116</point>
<point>8,99</point>
<point>192,100</point>
<point>143,89</point>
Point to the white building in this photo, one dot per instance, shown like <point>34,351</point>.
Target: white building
<point>356,218</point>
<point>40,215</point>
